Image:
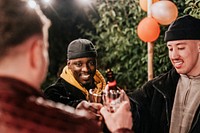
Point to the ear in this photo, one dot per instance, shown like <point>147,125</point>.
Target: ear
<point>36,53</point>
<point>68,62</point>
<point>198,43</point>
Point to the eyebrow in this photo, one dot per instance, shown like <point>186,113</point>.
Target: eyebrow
<point>181,43</point>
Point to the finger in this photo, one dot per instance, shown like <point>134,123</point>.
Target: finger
<point>82,105</point>
<point>122,94</point>
<point>127,105</point>
<point>91,107</point>
<point>86,105</point>
<point>105,112</point>
<point>106,88</point>
<point>126,98</point>
<point>85,114</point>
<point>124,106</point>
<point>100,118</point>
<point>97,106</point>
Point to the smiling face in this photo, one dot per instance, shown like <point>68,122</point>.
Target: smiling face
<point>185,56</point>
<point>83,69</point>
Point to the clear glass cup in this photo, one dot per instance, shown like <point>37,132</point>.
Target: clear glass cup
<point>95,96</point>
<point>112,99</point>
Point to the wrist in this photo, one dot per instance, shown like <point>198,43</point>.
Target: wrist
<point>123,130</point>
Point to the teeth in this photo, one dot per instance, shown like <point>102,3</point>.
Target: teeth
<point>178,63</point>
<point>85,76</point>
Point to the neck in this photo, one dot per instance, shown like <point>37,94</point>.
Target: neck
<point>89,86</point>
<point>17,70</point>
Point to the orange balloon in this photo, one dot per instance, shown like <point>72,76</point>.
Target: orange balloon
<point>144,3</point>
<point>164,12</point>
<point>148,29</point>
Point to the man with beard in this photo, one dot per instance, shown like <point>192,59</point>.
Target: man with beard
<point>170,103</point>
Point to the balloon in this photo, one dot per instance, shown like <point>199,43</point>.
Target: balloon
<point>164,12</point>
<point>148,29</point>
<point>144,3</point>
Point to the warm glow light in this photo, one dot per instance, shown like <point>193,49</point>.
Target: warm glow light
<point>85,2</point>
<point>47,1</point>
<point>32,3</point>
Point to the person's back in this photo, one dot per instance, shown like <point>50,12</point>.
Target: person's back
<point>23,109</point>
<point>23,68</point>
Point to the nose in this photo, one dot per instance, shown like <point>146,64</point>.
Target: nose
<point>85,68</point>
<point>174,54</point>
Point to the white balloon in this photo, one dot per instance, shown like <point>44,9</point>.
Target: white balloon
<point>164,12</point>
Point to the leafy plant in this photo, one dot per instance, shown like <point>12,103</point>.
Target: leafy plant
<point>113,32</point>
<point>193,8</point>
<point>118,45</point>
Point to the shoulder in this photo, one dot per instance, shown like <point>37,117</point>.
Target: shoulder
<point>169,78</point>
<point>60,84</point>
<point>37,114</point>
<point>65,116</point>
<point>161,82</point>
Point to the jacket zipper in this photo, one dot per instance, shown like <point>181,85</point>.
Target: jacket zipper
<point>166,104</point>
<point>167,110</point>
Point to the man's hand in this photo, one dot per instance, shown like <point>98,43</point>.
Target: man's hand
<point>122,118</point>
<point>90,110</point>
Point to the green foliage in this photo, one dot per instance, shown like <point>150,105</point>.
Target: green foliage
<point>193,8</point>
<point>120,48</point>
<point>114,34</point>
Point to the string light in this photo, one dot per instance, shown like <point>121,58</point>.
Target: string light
<point>32,3</point>
<point>85,2</point>
<point>47,1</point>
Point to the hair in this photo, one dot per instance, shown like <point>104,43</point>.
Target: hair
<point>17,23</point>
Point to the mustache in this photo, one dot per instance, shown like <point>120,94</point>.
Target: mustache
<point>89,72</point>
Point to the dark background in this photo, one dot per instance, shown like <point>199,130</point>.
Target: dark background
<point>67,16</point>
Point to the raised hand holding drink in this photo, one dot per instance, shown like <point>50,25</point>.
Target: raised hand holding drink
<point>112,95</point>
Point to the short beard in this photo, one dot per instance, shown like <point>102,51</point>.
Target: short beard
<point>89,85</point>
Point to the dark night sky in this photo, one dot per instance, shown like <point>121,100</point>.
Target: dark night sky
<point>65,15</point>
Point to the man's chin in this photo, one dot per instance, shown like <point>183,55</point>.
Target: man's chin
<point>86,83</point>
<point>179,71</point>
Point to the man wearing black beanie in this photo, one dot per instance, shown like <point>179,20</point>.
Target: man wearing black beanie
<point>170,103</point>
<point>78,76</point>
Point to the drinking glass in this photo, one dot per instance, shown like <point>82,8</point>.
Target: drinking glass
<point>112,99</point>
<point>95,96</point>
